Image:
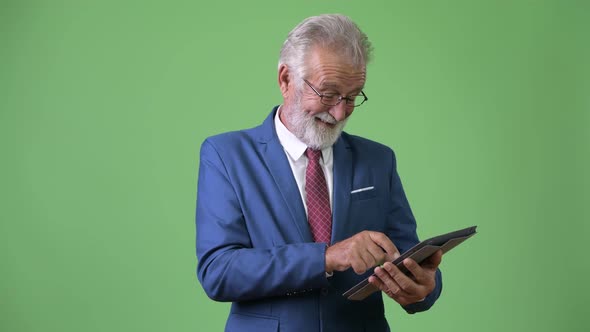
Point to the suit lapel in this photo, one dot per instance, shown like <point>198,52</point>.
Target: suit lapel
<point>280,170</point>
<point>342,187</point>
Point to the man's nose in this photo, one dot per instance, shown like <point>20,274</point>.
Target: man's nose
<point>340,111</point>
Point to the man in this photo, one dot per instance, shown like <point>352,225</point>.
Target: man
<point>294,212</point>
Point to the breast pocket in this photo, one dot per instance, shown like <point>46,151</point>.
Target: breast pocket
<point>366,211</point>
<point>363,193</point>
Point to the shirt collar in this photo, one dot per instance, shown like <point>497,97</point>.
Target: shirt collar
<point>293,145</point>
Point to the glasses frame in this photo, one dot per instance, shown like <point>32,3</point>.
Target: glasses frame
<point>348,99</point>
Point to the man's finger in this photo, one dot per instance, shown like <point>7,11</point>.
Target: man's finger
<point>416,270</point>
<point>432,262</point>
<point>360,261</point>
<point>404,282</point>
<point>385,243</point>
<point>388,283</point>
<point>377,282</point>
<point>377,253</point>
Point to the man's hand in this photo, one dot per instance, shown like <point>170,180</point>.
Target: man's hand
<point>407,289</point>
<point>361,252</point>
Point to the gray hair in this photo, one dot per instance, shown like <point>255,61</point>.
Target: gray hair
<point>333,31</point>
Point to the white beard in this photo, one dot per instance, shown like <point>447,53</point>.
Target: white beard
<point>316,135</point>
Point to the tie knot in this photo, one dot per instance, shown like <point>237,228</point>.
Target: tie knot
<point>313,155</point>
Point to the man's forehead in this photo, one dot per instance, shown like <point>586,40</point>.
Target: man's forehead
<point>337,75</point>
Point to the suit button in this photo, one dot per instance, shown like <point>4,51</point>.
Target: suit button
<point>324,291</point>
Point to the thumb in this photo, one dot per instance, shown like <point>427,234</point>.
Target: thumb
<point>433,261</point>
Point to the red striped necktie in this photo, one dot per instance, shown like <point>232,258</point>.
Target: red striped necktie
<point>319,214</point>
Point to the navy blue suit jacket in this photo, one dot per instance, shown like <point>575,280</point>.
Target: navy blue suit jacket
<point>254,244</point>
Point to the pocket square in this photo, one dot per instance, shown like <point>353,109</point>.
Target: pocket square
<point>362,189</point>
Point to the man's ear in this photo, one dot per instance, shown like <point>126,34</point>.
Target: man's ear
<point>285,80</point>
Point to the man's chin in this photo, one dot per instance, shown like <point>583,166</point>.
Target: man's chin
<point>324,136</point>
<point>315,132</point>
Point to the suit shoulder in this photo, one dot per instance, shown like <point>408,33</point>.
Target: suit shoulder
<point>229,137</point>
<point>361,144</point>
<point>232,140</point>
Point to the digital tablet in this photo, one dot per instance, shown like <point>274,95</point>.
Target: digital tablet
<point>418,253</point>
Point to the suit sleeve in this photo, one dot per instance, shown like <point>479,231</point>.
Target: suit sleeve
<point>229,267</point>
<point>402,231</point>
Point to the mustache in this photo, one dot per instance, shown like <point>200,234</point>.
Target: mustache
<point>326,117</point>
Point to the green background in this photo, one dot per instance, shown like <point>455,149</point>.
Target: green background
<point>104,105</point>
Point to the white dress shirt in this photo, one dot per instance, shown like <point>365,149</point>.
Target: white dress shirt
<point>295,151</point>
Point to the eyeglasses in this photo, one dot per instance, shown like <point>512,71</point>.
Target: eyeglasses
<point>329,99</point>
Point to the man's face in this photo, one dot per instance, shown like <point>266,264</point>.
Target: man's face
<point>314,123</point>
